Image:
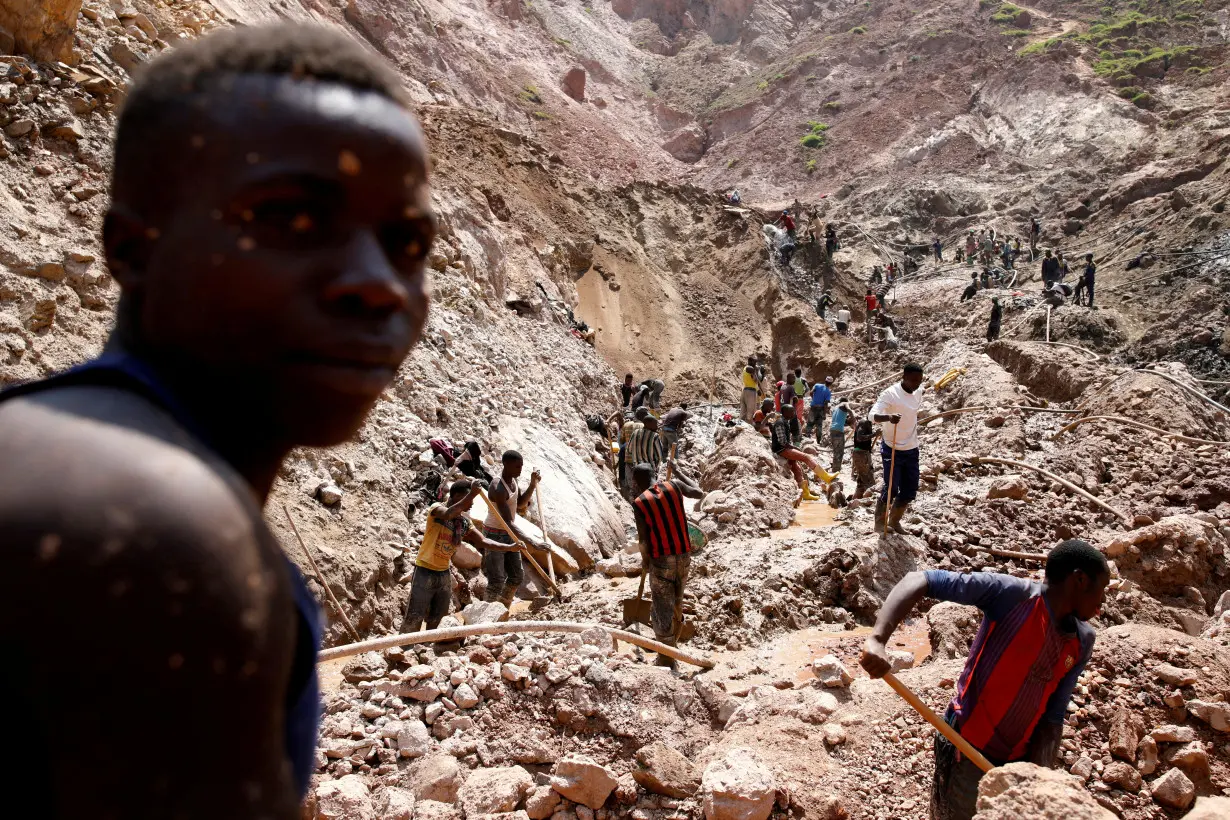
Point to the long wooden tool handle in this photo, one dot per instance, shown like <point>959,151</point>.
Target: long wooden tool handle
<point>954,737</point>
<point>640,590</point>
<point>892,466</point>
<point>320,576</point>
<point>542,525</point>
<point>499,519</point>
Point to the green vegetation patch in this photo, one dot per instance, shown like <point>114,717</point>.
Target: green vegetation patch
<point>1006,13</point>
<point>815,136</point>
<point>859,30</point>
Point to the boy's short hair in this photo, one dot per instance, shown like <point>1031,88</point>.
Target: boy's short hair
<point>511,457</point>
<point>460,487</point>
<point>177,77</point>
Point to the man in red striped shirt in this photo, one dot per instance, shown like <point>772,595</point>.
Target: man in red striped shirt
<point>662,530</point>
<point>1012,697</point>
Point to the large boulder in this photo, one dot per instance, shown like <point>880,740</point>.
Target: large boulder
<point>687,144</point>
<point>583,781</point>
<point>345,797</point>
<point>42,29</point>
<point>738,787</point>
<point>662,770</point>
<point>396,803</point>
<point>579,515</point>
<point>1023,791</point>
<point>574,83</point>
<point>496,790</point>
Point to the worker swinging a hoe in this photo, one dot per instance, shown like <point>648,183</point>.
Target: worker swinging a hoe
<point>1032,645</point>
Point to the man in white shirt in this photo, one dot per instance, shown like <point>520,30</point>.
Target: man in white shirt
<point>896,411</point>
<point>842,320</point>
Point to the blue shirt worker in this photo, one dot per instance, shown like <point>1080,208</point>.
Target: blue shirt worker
<point>1031,647</point>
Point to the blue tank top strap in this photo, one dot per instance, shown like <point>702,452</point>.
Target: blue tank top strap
<point>127,372</point>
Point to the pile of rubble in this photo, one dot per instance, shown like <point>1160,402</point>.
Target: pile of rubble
<point>481,731</point>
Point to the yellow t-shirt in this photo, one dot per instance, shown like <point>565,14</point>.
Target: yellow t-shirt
<point>749,380</point>
<point>441,539</point>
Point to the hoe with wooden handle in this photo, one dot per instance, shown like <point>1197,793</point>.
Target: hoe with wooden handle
<point>954,737</point>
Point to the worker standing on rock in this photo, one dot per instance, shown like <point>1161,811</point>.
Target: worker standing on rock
<point>1031,647</point>
<point>971,290</point>
<point>257,173</point>
<point>896,411</point>
<point>504,570</point>
<point>431,589</point>
<point>997,314</point>
<point>662,532</point>
<point>751,390</point>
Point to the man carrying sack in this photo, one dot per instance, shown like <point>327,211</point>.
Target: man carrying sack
<point>1022,668</point>
<point>662,531</point>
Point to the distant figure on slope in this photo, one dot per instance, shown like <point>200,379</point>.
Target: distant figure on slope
<point>1085,283</point>
<point>786,223</point>
<point>997,314</point>
<point>471,465</point>
<point>822,304</point>
<point>751,389</point>
<point>937,248</point>
<point>837,435</point>
<point>862,465</point>
<point>843,320</point>
<point>971,290</point>
<point>831,245</point>
<point>821,395</point>
<point>626,389</point>
<point>656,387</point>
<point>1050,268</point>
<point>1035,232</point>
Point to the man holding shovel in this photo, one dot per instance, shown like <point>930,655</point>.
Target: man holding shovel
<point>662,531</point>
<point>897,413</point>
<point>1022,668</point>
<point>504,570</point>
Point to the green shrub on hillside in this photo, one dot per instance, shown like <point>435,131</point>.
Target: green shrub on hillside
<point>1005,14</point>
<point>833,105</point>
<point>1016,32</point>
<point>815,136</point>
<point>859,30</point>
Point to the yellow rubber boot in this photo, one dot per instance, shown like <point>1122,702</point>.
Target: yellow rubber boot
<point>824,475</point>
<point>807,493</point>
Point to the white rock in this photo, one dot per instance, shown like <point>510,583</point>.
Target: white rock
<point>1216,714</point>
<point>737,787</point>
<point>541,802</point>
<point>345,797</point>
<point>1173,734</point>
<point>465,697</point>
<point>583,781</point>
<point>900,659</point>
<point>1175,676</point>
<point>514,674</point>
<point>413,739</point>
<point>1174,790</point>
<point>437,778</point>
<point>830,671</point>
<point>484,612</point>
<point>396,803</point>
<point>491,791</point>
<point>329,494</point>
